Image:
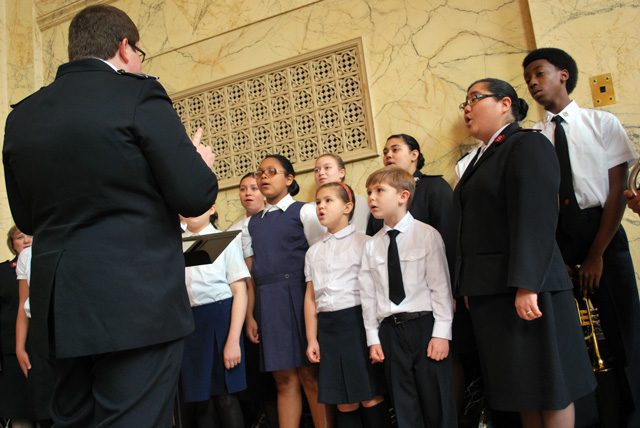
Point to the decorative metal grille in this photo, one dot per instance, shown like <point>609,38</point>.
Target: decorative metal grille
<point>301,108</point>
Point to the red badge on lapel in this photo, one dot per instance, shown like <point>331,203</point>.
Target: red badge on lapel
<point>499,139</point>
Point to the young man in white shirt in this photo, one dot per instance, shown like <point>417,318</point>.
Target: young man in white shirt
<point>407,305</point>
<point>594,152</point>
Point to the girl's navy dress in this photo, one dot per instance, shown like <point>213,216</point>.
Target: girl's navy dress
<point>279,247</point>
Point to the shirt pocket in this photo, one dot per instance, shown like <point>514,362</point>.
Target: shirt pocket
<point>414,265</point>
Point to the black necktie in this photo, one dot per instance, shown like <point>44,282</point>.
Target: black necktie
<point>562,151</point>
<point>396,286</point>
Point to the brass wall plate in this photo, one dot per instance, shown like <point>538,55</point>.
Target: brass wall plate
<point>602,90</point>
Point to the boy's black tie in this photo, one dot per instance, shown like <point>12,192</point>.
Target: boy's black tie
<point>562,151</point>
<point>396,286</point>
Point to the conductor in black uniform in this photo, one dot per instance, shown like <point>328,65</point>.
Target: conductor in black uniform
<point>97,169</point>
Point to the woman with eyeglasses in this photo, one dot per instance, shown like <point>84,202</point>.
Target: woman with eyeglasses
<point>508,266</point>
<point>275,242</point>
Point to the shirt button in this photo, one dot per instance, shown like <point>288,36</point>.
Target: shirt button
<point>286,276</point>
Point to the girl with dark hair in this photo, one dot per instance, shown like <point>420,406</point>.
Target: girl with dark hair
<point>335,328</point>
<point>275,242</point>
<point>509,267</point>
<point>431,203</point>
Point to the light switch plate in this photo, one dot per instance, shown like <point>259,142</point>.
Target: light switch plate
<point>602,90</point>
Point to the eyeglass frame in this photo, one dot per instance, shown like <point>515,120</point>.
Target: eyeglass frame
<point>142,54</point>
<point>475,98</point>
<point>269,172</point>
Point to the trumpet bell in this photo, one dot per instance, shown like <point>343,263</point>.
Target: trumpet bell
<point>632,180</point>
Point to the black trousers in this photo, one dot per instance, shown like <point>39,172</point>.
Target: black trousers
<point>617,298</point>
<point>421,389</point>
<point>132,388</point>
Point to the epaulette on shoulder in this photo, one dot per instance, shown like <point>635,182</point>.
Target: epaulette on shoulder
<point>140,76</point>
<point>22,100</point>
<point>529,130</point>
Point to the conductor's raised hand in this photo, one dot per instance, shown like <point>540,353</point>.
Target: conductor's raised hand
<point>205,151</point>
<point>527,304</point>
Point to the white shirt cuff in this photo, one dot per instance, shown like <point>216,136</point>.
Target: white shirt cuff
<point>442,329</point>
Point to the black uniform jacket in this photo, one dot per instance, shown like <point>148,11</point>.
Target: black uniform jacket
<point>506,209</point>
<point>97,167</point>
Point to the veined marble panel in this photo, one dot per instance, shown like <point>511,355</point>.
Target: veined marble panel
<point>165,25</point>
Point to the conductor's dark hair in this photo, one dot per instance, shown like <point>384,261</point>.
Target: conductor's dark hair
<point>96,32</point>
<point>412,143</point>
<point>560,59</point>
<point>285,163</point>
<point>502,89</point>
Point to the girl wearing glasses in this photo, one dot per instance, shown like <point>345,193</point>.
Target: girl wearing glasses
<point>275,242</point>
<point>530,344</point>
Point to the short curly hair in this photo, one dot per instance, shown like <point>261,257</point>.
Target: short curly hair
<point>560,59</point>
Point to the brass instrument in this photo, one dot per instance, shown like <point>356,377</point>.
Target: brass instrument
<point>590,322</point>
<point>632,180</point>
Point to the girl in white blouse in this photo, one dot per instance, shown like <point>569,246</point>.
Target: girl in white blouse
<point>333,315</point>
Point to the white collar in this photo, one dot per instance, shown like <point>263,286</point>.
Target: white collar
<point>282,204</point>
<point>208,229</point>
<point>568,113</point>
<point>342,233</point>
<point>108,63</point>
<point>403,224</point>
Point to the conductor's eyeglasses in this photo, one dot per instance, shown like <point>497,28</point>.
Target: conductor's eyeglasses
<point>269,172</point>
<point>140,52</point>
<point>475,98</point>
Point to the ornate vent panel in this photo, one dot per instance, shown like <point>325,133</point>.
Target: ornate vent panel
<point>303,107</point>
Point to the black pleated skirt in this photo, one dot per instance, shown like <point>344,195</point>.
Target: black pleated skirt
<point>346,374</point>
<point>531,365</point>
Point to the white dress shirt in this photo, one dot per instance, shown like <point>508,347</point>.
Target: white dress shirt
<point>312,227</point>
<point>23,271</point>
<point>463,162</point>
<point>425,276</point>
<point>239,223</point>
<point>210,283</point>
<point>333,265</point>
<point>597,142</point>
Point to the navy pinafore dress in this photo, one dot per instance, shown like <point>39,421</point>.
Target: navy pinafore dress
<point>279,247</point>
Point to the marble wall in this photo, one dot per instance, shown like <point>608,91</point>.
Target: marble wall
<point>420,55</point>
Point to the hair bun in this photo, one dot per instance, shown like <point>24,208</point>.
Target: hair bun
<point>294,188</point>
<point>523,108</point>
